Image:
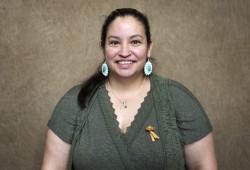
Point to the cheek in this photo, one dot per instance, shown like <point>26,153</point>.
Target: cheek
<point>110,53</point>
<point>141,53</point>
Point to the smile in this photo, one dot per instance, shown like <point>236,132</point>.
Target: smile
<point>125,62</point>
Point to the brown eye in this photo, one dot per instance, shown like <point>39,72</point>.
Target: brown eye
<point>136,42</point>
<point>114,43</point>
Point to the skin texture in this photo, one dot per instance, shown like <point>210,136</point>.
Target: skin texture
<point>200,155</point>
<point>126,51</point>
<point>126,42</point>
<point>57,152</point>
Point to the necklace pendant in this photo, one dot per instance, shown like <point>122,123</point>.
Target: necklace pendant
<point>124,105</point>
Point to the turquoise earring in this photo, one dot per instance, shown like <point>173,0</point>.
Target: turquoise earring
<point>148,68</point>
<point>105,69</point>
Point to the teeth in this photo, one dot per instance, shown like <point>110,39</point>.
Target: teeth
<point>125,62</point>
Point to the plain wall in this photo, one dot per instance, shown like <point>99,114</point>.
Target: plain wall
<point>46,47</point>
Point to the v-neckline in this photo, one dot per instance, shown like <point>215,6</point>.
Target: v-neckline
<point>111,118</point>
<point>123,141</point>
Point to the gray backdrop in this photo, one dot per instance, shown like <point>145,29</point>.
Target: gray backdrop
<point>46,47</point>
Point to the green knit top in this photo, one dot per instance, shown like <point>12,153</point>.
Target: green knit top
<point>176,115</point>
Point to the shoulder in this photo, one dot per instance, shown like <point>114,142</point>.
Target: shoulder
<point>182,99</point>
<point>179,88</point>
<point>158,82</point>
<point>177,91</point>
<point>182,95</point>
<point>73,92</point>
<point>64,116</point>
<point>173,84</point>
<point>69,101</point>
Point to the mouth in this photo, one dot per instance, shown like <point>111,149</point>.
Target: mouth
<point>125,62</point>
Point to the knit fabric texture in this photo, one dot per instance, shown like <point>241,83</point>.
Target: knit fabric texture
<point>97,143</point>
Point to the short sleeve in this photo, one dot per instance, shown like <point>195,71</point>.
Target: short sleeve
<point>192,120</point>
<point>63,119</point>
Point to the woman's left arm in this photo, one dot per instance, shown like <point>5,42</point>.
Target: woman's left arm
<point>200,155</point>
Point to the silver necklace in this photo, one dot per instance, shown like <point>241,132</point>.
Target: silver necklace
<point>124,103</point>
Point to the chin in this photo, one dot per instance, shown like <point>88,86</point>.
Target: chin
<point>128,75</point>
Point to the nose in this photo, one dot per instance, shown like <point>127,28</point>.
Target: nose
<point>125,50</point>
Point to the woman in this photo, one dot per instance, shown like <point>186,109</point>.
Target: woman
<point>125,117</point>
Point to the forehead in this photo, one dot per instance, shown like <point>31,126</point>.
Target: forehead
<point>126,24</point>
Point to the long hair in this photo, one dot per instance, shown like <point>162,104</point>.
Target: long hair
<point>90,85</point>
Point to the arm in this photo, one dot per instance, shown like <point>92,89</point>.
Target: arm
<point>57,153</point>
<point>200,155</point>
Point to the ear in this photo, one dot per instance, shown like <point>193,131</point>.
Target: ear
<point>150,49</point>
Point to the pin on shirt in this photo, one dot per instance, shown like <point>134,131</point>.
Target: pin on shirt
<point>153,136</point>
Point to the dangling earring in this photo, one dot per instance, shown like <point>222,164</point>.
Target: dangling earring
<point>148,67</point>
<point>105,69</point>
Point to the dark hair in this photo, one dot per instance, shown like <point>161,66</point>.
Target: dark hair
<point>90,85</point>
<point>122,13</point>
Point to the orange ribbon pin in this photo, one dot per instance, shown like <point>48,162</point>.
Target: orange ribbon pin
<point>153,136</point>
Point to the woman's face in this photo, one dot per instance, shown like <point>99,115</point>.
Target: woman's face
<point>126,49</point>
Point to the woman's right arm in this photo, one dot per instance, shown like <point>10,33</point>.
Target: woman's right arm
<point>57,153</point>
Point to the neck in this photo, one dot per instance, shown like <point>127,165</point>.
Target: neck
<point>124,95</point>
<point>126,84</point>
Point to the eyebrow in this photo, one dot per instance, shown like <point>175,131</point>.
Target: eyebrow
<point>117,37</point>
